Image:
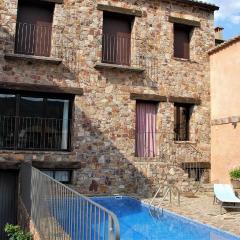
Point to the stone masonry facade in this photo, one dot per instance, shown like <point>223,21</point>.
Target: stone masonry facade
<point>103,135</point>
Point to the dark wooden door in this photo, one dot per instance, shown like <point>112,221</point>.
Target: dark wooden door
<point>117,38</point>
<point>8,200</point>
<point>34,28</point>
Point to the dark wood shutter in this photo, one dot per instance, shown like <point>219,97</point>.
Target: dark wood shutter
<point>43,39</point>
<point>116,38</point>
<point>181,41</point>
<point>34,28</point>
<point>181,122</point>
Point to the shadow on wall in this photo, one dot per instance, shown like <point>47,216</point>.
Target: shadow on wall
<point>105,151</point>
<point>110,167</point>
<point>105,169</point>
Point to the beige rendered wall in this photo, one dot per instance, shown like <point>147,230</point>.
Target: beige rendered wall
<point>225,104</point>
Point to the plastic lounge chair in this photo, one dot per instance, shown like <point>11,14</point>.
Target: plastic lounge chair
<point>225,194</point>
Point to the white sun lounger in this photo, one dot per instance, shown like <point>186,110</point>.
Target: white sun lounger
<point>225,194</point>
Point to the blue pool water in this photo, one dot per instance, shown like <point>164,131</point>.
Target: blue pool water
<point>137,224</point>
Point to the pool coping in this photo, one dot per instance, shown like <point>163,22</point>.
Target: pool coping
<point>171,213</point>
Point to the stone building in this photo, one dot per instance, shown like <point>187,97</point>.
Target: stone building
<point>73,73</point>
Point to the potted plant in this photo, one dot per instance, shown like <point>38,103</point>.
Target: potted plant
<point>16,233</point>
<point>235,177</point>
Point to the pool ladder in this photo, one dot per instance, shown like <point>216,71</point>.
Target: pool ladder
<point>156,211</point>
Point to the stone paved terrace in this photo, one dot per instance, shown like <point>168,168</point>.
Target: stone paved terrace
<point>201,208</point>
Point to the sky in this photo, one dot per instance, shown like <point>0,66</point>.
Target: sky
<point>228,16</point>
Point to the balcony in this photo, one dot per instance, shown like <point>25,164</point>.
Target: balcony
<point>34,133</point>
<point>122,52</point>
<point>42,42</point>
<point>33,39</point>
<point>33,42</point>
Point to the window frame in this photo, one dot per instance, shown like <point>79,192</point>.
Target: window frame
<point>177,123</point>
<point>184,28</point>
<point>34,23</point>
<point>45,96</point>
<point>70,171</point>
<point>110,38</point>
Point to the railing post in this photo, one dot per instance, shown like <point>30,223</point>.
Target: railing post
<point>110,229</point>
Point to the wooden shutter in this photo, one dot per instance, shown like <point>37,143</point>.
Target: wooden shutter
<point>181,122</point>
<point>34,28</point>
<point>182,41</point>
<point>43,38</point>
<point>116,38</point>
<point>123,48</point>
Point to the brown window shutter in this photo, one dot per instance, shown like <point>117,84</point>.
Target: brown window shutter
<point>43,38</point>
<point>181,41</point>
<point>181,122</point>
<point>116,42</point>
<point>34,28</point>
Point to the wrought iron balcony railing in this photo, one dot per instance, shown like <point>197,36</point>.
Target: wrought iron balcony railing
<point>33,39</point>
<point>34,133</point>
<point>44,42</point>
<point>124,50</point>
<point>181,132</point>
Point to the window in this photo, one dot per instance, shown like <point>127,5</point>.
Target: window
<point>182,41</point>
<point>146,129</point>
<point>116,48</point>
<point>63,176</point>
<point>195,173</point>
<point>34,28</point>
<point>181,121</point>
<point>35,121</point>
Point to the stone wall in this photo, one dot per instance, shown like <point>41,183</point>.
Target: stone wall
<point>104,117</point>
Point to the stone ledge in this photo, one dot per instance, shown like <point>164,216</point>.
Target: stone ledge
<point>32,58</point>
<point>184,21</point>
<point>57,165</point>
<point>37,152</point>
<point>10,165</point>
<point>118,67</point>
<point>54,1</point>
<point>206,165</point>
<point>185,142</point>
<point>41,88</point>
<point>121,10</point>
<point>160,98</point>
<point>186,100</point>
<point>183,60</point>
<point>15,164</point>
<point>148,97</point>
<point>226,120</point>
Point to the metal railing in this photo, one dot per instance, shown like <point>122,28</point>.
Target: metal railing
<point>58,212</point>
<point>181,133</point>
<point>33,39</point>
<point>116,49</point>
<point>44,40</point>
<point>34,133</point>
<point>123,49</point>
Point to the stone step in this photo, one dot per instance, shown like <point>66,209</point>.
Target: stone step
<point>206,187</point>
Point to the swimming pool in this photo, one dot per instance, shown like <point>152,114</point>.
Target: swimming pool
<point>137,224</point>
